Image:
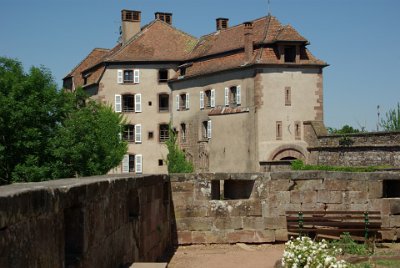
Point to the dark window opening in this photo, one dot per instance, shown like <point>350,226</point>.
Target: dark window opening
<point>288,98</point>
<point>73,236</point>
<point>297,130</point>
<point>164,133</point>
<point>183,133</point>
<point>215,190</point>
<point>150,103</point>
<point>233,96</point>
<point>163,103</point>
<point>207,95</point>
<point>288,158</point>
<point>133,205</point>
<point>160,162</point>
<point>150,135</point>
<point>205,129</point>
<point>279,130</point>
<point>131,163</point>
<point>128,76</point>
<point>129,133</point>
<point>391,188</point>
<point>231,189</point>
<point>162,76</point>
<point>183,71</point>
<point>128,103</point>
<point>290,54</point>
<point>168,19</point>
<point>182,102</point>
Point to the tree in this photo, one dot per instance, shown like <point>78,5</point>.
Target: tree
<point>42,130</point>
<point>176,160</point>
<point>392,120</point>
<point>346,129</point>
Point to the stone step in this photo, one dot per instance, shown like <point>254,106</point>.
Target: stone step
<point>149,265</point>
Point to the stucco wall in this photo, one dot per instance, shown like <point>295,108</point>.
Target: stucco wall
<point>91,222</point>
<point>203,217</point>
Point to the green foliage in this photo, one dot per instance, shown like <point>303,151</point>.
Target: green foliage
<point>46,134</point>
<point>299,165</point>
<point>176,160</point>
<point>349,246</point>
<point>392,120</point>
<point>346,129</point>
<point>345,141</point>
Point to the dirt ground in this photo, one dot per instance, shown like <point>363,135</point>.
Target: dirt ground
<point>227,256</point>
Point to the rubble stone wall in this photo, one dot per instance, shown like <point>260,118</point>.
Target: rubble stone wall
<point>91,222</point>
<point>207,211</point>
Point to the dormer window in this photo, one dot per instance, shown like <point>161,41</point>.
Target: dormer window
<point>290,54</point>
<point>162,76</point>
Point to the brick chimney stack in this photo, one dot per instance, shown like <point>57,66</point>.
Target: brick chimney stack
<point>222,23</point>
<point>165,17</point>
<point>248,40</point>
<point>130,24</point>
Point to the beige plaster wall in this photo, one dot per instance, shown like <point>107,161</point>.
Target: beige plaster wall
<point>304,84</point>
<point>150,118</point>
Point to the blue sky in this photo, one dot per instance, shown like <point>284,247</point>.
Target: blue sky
<point>360,39</point>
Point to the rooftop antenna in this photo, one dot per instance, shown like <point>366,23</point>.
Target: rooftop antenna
<point>269,7</point>
<point>377,124</point>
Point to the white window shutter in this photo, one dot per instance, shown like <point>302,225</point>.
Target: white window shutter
<point>209,129</point>
<point>136,74</point>
<point>120,76</point>
<point>212,98</point>
<point>238,95</point>
<point>118,103</point>
<point>138,163</point>
<point>187,106</point>
<point>138,103</point>
<point>138,133</point>
<point>125,164</point>
<point>201,99</point>
<point>177,102</point>
<point>226,96</point>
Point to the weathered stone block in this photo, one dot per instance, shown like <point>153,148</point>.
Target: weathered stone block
<point>275,222</point>
<point>194,224</point>
<point>312,206</point>
<point>309,197</point>
<point>295,197</point>
<point>185,186</point>
<point>279,198</point>
<point>308,185</point>
<point>358,197</point>
<point>198,237</point>
<point>255,223</point>
<point>389,235</point>
<point>335,184</point>
<point>395,221</point>
<point>281,185</point>
<point>330,197</point>
<point>184,237</point>
<point>281,235</point>
<point>244,236</point>
<point>265,236</point>
<point>357,185</point>
<point>268,210</point>
<point>375,189</point>
<point>228,223</point>
<point>385,221</point>
<point>395,206</point>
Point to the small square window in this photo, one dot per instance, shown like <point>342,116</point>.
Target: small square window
<point>150,135</point>
<point>160,162</point>
<point>150,103</point>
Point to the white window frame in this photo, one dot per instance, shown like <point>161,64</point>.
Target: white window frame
<point>209,129</point>
<point>226,96</point>
<point>118,103</point>
<point>238,95</point>
<point>136,74</point>
<point>187,104</point>
<point>138,103</point>
<point>138,133</point>
<point>177,102</point>
<point>201,100</point>
<point>120,76</point>
<point>125,164</point>
<point>212,102</point>
<point>138,164</point>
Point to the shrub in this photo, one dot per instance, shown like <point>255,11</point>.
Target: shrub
<point>304,252</point>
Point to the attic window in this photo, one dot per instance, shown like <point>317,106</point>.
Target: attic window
<point>290,54</point>
<point>162,76</point>
<point>183,71</point>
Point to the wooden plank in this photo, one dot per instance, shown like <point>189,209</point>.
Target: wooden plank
<point>292,218</point>
<point>333,212</point>
<point>334,230</point>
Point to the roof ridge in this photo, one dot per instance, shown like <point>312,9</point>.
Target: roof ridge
<point>76,66</point>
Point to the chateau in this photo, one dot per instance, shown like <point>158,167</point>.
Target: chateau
<point>238,97</point>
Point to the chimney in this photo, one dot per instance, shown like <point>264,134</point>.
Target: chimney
<point>222,23</point>
<point>165,17</point>
<point>248,40</point>
<point>130,24</point>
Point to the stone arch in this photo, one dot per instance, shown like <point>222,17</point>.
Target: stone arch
<point>289,152</point>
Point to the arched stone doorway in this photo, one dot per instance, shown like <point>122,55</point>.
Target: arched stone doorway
<point>288,153</point>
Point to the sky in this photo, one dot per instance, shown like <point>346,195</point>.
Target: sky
<point>359,39</point>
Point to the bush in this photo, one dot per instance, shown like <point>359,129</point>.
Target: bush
<point>304,252</point>
<point>299,165</point>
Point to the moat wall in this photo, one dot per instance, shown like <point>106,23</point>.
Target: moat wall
<point>250,208</point>
<point>114,221</point>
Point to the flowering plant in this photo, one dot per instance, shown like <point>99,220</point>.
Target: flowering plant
<point>306,253</point>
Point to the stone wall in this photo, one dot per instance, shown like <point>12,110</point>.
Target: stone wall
<point>361,149</point>
<point>250,208</point>
<point>91,222</point>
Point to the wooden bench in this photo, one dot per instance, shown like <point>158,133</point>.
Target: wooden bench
<point>331,224</point>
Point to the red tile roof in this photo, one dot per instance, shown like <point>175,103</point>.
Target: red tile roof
<point>221,110</point>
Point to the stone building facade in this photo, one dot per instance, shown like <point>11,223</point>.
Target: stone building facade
<point>237,97</point>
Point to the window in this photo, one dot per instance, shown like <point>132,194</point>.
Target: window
<point>128,76</point>
<point>150,103</point>
<point>162,76</point>
<point>233,96</point>
<point>150,135</point>
<point>183,132</point>
<point>288,97</point>
<point>209,98</point>
<point>128,163</point>
<point>297,130</point>
<point>128,103</point>
<point>290,54</point>
<point>129,133</point>
<point>182,102</point>
<point>206,129</point>
<point>278,130</point>
<point>160,162</point>
<point>183,71</point>
<point>163,102</point>
<point>164,133</point>
<point>138,133</point>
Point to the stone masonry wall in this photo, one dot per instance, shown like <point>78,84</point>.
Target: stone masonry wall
<point>361,149</point>
<point>202,216</point>
<point>91,222</point>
